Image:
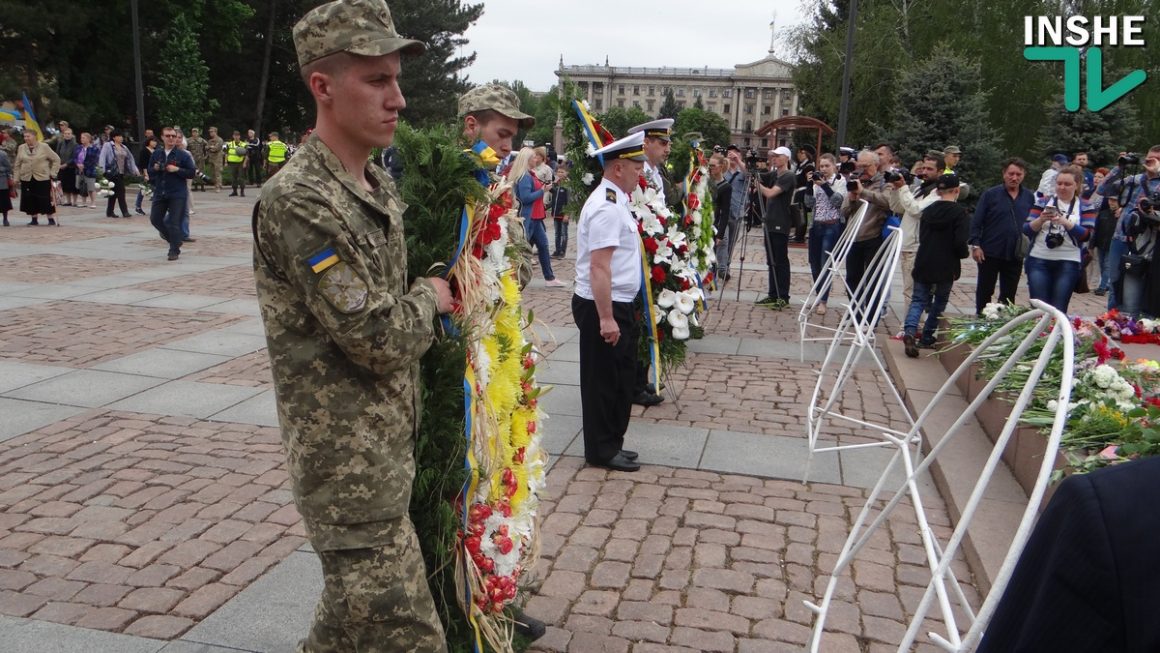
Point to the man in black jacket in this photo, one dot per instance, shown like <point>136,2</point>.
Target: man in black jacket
<point>995,231</point>
<point>942,242</point>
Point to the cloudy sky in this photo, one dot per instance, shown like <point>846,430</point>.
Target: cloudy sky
<point>523,39</point>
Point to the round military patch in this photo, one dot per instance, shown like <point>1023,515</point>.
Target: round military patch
<point>343,288</point>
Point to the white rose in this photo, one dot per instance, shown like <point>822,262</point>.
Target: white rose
<point>587,179</point>
<point>666,299</point>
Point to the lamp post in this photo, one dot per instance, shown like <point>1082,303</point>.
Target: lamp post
<point>137,73</point>
<point>847,70</point>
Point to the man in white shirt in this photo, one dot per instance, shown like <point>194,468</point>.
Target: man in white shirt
<point>608,278</point>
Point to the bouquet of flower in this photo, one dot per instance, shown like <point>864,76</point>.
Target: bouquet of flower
<point>1129,330</point>
<point>104,188</point>
<point>145,189</point>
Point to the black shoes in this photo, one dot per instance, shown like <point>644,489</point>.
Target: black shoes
<point>910,345</point>
<point>527,626</point>
<point>173,255</point>
<point>619,463</point>
<point>189,240</point>
<point>140,212</point>
<point>34,223</point>
<point>52,223</point>
<point>647,399</point>
<point>233,194</point>
<point>630,455</point>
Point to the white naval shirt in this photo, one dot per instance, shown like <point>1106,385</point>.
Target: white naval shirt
<point>653,174</point>
<point>606,221</point>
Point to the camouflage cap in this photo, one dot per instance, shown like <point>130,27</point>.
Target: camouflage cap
<point>356,26</point>
<point>498,98</point>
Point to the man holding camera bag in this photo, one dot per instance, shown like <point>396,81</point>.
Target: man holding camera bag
<point>1141,290</point>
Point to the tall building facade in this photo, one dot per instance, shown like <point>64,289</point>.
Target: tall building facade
<point>747,96</point>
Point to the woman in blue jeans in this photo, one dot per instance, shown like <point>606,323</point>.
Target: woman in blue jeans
<point>829,190</point>
<point>1058,226</point>
<point>530,191</point>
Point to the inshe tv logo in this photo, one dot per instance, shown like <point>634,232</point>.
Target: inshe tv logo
<point>1078,38</point>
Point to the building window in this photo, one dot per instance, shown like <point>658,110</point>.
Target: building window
<point>726,92</point>
<point>767,110</point>
<point>620,89</point>
<point>680,104</point>
<point>635,89</point>
<point>750,93</point>
<point>768,95</point>
<point>652,90</point>
<point>598,88</point>
<point>712,92</point>
<point>748,108</point>
<point>748,126</point>
<point>599,104</point>
<point>636,103</point>
<point>620,102</point>
<point>696,92</point>
<point>665,90</point>
<point>727,108</point>
<point>650,104</point>
<point>786,94</point>
<point>747,140</point>
<point>712,106</point>
<point>784,112</point>
<point>765,142</point>
<point>681,92</point>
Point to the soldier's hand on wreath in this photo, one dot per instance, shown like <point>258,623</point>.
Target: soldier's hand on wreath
<point>442,294</point>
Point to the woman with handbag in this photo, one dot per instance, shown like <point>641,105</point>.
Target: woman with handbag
<point>36,167</point>
<point>7,186</point>
<point>1058,225</point>
<point>117,161</point>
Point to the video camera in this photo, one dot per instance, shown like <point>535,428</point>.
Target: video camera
<point>1150,204</point>
<point>891,176</point>
<point>1129,159</point>
<point>751,158</point>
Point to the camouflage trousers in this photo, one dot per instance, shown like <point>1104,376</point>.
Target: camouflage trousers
<point>213,168</point>
<point>376,600</point>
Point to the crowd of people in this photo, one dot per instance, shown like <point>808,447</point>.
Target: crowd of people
<point>1075,217</point>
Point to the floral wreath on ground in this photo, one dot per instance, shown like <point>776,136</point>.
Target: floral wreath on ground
<point>1114,414</point>
<point>1129,330</point>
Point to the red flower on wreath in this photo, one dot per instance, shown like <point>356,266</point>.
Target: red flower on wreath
<point>650,244</point>
<point>685,283</point>
<point>658,274</point>
<point>694,202</point>
<point>642,183</point>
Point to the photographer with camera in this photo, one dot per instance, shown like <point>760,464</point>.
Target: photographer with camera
<point>1124,191</point>
<point>1141,290</point>
<point>1058,225</point>
<point>738,178</point>
<point>828,192</point>
<point>778,220</point>
<point>866,183</point>
<point>909,195</point>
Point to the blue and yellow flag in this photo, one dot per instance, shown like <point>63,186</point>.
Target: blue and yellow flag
<point>30,118</point>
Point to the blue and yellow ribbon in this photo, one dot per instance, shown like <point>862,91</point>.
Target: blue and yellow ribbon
<point>469,490</point>
<point>654,349</point>
<point>587,122</point>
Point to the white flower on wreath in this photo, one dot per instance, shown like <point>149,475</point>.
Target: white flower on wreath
<point>676,237</point>
<point>658,314</point>
<point>693,321</point>
<point>590,150</point>
<point>677,319</point>
<point>1148,326</point>
<point>1104,376</point>
<point>681,333</point>
<point>685,302</point>
<point>649,222</point>
<point>697,217</point>
<point>666,299</point>
<point>588,177</point>
<point>505,565</point>
<point>664,252</point>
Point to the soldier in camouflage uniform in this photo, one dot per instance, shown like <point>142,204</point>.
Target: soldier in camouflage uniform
<point>215,152</point>
<point>199,148</point>
<point>345,335</point>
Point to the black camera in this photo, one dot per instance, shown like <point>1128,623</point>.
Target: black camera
<point>892,176</point>
<point>846,168</point>
<point>1150,203</point>
<point>816,176</point>
<point>751,158</point>
<point>205,179</point>
<point>1129,159</point>
<point>851,185</point>
<point>1053,240</point>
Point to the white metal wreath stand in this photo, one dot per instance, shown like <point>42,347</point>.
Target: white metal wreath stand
<point>833,268</point>
<point>857,327</point>
<point>939,554</point>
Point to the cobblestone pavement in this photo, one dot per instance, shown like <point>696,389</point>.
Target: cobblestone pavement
<point>142,489</point>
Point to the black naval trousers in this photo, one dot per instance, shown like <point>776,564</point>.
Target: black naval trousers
<point>607,377</point>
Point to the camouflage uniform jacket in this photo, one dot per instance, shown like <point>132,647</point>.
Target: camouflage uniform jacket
<point>215,148</point>
<point>345,335</point>
<point>198,147</point>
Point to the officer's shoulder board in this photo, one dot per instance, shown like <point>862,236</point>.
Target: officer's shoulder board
<point>610,195</point>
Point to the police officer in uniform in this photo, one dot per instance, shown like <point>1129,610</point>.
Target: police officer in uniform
<point>275,154</point>
<point>608,278</point>
<point>345,335</point>
<point>199,149</point>
<point>658,136</point>
<point>213,159</point>
<point>236,154</point>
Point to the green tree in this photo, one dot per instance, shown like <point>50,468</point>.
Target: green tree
<point>713,128</point>
<point>182,79</point>
<point>669,108</point>
<point>431,82</point>
<point>940,101</point>
<point>1103,135</point>
<point>618,120</point>
<point>698,104</point>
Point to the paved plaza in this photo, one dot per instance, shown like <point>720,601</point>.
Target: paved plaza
<point>144,505</point>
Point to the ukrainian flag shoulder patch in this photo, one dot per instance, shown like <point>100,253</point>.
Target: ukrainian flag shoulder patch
<point>322,260</point>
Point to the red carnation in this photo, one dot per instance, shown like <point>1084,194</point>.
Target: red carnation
<point>688,220</point>
<point>641,181</point>
<point>683,250</point>
<point>650,244</point>
<point>658,274</point>
<point>686,284</point>
<point>694,202</point>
